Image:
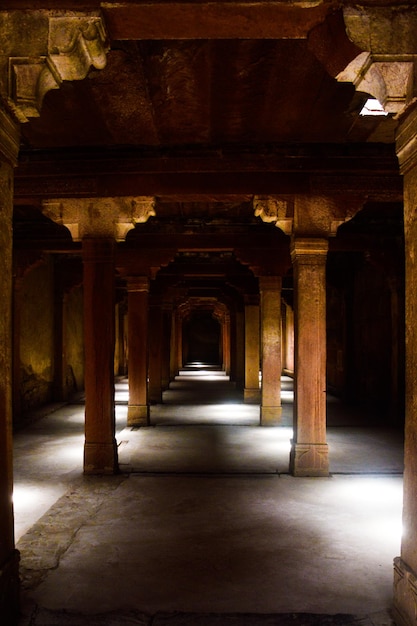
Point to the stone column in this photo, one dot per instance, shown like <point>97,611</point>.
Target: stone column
<point>405,566</point>
<point>100,450</point>
<point>240,349</point>
<point>173,354</point>
<point>166,343</point>
<point>252,392</point>
<point>271,409</point>
<point>309,452</point>
<point>137,311</point>
<point>226,343</point>
<point>155,351</point>
<point>9,557</point>
<point>60,387</point>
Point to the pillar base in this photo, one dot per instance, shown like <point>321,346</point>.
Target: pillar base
<point>138,415</point>
<point>252,396</point>
<point>309,459</point>
<point>405,594</point>
<point>271,415</point>
<point>9,589</point>
<point>100,458</point>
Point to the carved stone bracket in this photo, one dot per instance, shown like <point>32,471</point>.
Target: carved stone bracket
<point>389,80</point>
<point>100,217</point>
<point>275,210</point>
<point>386,68</point>
<point>405,594</point>
<point>75,44</point>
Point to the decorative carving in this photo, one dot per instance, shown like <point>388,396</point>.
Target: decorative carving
<point>75,44</point>
<point>273,210</point>
<point>100,217</point>
<point>309,459</point>
<point>390,81</point>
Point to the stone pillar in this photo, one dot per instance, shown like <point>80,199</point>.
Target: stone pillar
<point>100,451</point>
<point>9,557</point>
<point>155,351</point>
<point>309,452</point>
<point>137,311</point>
<point>226,343</point>
<point>166,343</point>
<point>271,409</point>
<point>60,365</point>
<point>252,392</point>
<point>16,369</point>
<point>240,349</point>
<point>405,566</point>
<point>173,354</point>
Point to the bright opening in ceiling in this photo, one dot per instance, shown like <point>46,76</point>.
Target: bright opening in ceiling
<point>373,107</point>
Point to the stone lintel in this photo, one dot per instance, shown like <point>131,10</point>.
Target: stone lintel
<point>99,217</point>
<point>405,594</point>
<point>309,250</point>
<point>100,458</point>
<point>271,415</point>
<point>251,396</point>
<point>138,415</point>
<point>309,459</point>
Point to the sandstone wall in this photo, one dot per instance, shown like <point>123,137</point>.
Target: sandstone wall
<point>37,337</point>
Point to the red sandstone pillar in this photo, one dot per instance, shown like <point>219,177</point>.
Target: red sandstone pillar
<point>309,453</point>
<point>166,343</point>
<point>252,392</point>
<point>9,557</point>
<point>100,450</point>
<point>137,311</point>
<point>405,566</point>
<point>271,409</point>
<point>155,351</point>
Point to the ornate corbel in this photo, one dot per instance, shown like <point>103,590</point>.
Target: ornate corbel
<point>385,69</point>
<point>75,44</point>
<point>100,217</point>
<point>272,209</point>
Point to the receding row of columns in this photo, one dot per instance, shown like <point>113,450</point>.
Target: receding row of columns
<point>155,353</point>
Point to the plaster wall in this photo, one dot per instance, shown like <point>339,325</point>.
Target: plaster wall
<point>37,337</point>
<point>74,340</point>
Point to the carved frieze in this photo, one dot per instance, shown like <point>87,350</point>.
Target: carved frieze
<point>74,44</point>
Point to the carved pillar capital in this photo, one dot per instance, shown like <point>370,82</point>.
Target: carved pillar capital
<point>271,283</point>
<point>60,47</point>
<point>9,138</point>
<point>137,284</point>
<point>100,217</point>
<point>309,250</point>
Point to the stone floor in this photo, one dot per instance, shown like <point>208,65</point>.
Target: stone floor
<point>204,525</point>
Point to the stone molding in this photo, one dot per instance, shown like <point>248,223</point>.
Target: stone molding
<point>75,44</point>
<point>100,217</point>
<point>270,283</point>
<point>405,594</point>
<point>309,250</point>
<point>406,142</point>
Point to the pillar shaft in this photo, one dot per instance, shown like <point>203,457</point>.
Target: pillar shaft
<point>252,392</point>
<point>405,567</point>
<point>309,453</point>
<point>9,557</point>
<point>155,351</point>
<point>138,296</point>
<point>100,451</point>
<point>271,409</point>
